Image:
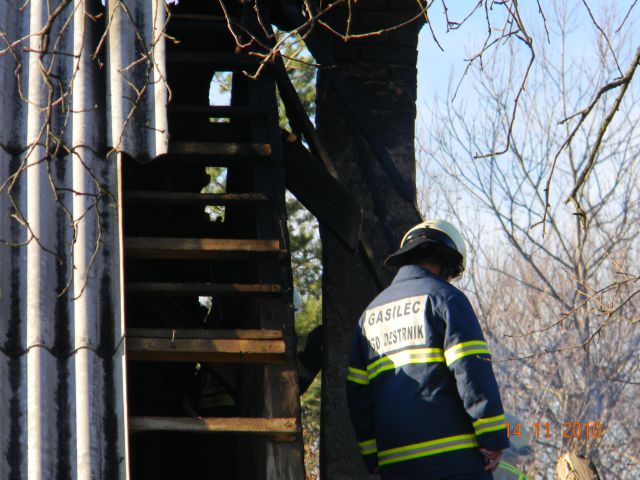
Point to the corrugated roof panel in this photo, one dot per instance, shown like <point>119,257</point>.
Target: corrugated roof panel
<point>13,371</point>
<point>138,122</point>
<point>62,407</point>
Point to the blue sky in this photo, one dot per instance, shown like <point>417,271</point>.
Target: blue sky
<point>436,67</point>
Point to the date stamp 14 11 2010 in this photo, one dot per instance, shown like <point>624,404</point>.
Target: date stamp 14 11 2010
<point>590,430</point>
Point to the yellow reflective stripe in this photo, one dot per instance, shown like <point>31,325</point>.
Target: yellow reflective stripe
<point>358,376</point>
<point>508,467</point>
<point>368,447</point>
<point>484,421</point>
<point>405,357</point>
<point>412,359</point>
<point>464,349</point>
<point>425,449</point>
<point>495,428</point>
<point>397,355</point>
<point>489,424</point>
<point>428,443</point>
<point>353,379</point>
<point>511,469</point>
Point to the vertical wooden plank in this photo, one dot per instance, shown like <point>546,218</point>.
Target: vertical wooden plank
<point>284,460</point>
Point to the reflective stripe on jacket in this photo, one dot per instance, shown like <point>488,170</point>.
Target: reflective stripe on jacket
<point>421,390</point>
<point>506,471</point>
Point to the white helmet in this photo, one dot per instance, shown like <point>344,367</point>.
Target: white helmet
<point>437,235</point>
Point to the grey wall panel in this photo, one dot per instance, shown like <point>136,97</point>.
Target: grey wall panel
<point>62,394</point>
<point>13,362</point>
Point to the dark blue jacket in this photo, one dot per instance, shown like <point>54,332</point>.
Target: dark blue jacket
<point>421,390</point>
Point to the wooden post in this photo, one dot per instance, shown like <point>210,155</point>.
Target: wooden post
<point>574,467</point>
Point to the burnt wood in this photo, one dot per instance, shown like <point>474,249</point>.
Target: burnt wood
<point>199,248</point>
<point>190,333</point>
<point>323,195</point>
<point>257,426</point>
<point>148,197</point>
<point>203,289</point>
<point>210,148</point>
<point>212,346</point>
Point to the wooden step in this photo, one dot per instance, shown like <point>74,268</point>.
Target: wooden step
<point>200,345</point>
<point>280,427</point>
<point>203,289</point>
<point>200,248</point>
<point>215,154</point>
<point>218,111</point>
<point>219,61</point>
<point>148,197</point>
<point>220,149</point>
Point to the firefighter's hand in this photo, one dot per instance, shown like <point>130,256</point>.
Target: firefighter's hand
<point>491,458</point>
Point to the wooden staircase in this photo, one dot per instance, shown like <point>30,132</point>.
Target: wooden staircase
<point>209,300</point>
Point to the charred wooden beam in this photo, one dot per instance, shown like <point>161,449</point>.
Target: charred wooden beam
<point>200,248</point>
<point>212,149</point>
<point>213,346</point>
<point>148,197</point>
<point>257,426</point>
<point>203,289</point>
<point>321,193</point>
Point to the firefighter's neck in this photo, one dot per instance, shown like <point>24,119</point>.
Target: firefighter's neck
<point>434,268</point>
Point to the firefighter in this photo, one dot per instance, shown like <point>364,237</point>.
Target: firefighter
<point>421,391</point>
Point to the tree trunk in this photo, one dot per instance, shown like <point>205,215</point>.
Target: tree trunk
<point>385,88</point>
